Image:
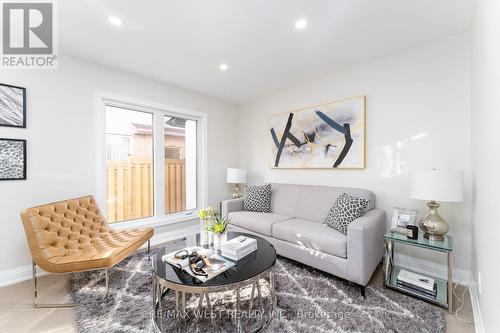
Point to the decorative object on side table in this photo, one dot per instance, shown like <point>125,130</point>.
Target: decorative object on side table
<point>236,176</point>
<point>417,283</point>
<point>12,106</point>
<point>206,215</point>
<point>218,227</point>
<point>412,231</point>
<point>12,159</point>
<point>401,218</point>
<point>436,185</point>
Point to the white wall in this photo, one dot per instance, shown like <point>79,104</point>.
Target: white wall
<point>61,139</point>
<point>485,117</point>
<point>417,117</point>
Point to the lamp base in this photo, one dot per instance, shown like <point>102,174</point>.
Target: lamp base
<point>433,225</point>
<point>236,193</point>
<point>433,237</point>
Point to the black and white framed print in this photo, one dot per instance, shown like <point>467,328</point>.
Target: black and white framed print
<point>12,159</point>
<point>12,106</point>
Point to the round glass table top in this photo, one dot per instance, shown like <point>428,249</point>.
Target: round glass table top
<point>246,268</point>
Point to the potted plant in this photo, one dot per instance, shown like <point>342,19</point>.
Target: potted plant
<point>218,227</point>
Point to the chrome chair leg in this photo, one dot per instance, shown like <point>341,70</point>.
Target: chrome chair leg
<point>107,283</point>
<point>149,249</point>
<point>35,289</point>
<point>35,293</point>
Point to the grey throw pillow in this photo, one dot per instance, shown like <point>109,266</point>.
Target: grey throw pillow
<point>257,198</point>
<point>346,209</point>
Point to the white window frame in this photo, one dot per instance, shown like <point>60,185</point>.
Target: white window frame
<point>159,218</point>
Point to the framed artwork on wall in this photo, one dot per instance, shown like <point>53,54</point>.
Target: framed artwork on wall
<point>12,159</point>
<point>327,136</point>
<point>12,106</point>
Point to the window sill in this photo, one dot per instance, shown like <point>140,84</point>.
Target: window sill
<point>154,222</point>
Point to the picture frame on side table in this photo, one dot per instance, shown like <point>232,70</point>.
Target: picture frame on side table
<point>12,106</point>
<point>402,217</point>
<point>12,159</point>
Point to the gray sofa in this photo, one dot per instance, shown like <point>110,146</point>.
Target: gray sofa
<point>295,228</point>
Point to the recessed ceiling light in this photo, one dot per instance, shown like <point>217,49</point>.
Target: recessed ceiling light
<point>115,20</point>
<point>223,67</point>
<point>300,24</point>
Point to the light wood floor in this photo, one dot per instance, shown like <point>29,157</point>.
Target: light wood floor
<point>17,314</point>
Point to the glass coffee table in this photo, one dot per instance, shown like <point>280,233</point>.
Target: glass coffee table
<point>247,273</point>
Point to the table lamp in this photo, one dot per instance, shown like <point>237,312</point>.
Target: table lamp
<point>436,185</point>
<point>236,176</point>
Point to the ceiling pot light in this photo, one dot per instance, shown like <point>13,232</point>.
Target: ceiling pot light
<point>223,67</point>
<point>115,20</point>
<point>300,24</point>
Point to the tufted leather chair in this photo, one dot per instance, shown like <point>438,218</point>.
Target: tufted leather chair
<point>72,235</point>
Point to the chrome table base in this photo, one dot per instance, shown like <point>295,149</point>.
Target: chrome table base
<point>161,287</point>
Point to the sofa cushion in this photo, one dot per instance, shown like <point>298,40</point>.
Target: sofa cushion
<point>314,202</point>
<point>257,198</point>
<point>346,209</point>
<point>256,221</point>
<point>284,198</point>
<point>312,235</point>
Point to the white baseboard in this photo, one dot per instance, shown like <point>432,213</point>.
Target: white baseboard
<point>432,269</point>
<point>23,273</point>
<point>476,310</point>
<point>15,275</point>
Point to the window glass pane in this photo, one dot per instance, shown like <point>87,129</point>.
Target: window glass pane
<point>129,164</point>
<point>180,164</point>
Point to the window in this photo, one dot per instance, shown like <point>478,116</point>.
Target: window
<point>117,147</point>
<point>129,164</point>
<point>152,165</point>
<point>180,164</point>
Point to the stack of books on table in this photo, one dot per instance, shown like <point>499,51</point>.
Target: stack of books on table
<point>417,283</point>
<point>238,247</point>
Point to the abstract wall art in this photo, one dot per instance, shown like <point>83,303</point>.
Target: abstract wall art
<point>12,106</point>
<point>328,136</point>
<point>12,159</point>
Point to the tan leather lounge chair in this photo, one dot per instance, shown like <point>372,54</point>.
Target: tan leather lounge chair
<point>72,236</point>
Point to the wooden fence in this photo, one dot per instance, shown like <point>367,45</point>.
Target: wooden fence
<point>129,186</point>
<point>175,186</point>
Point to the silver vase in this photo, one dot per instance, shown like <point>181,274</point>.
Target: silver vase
<point>434,226</point>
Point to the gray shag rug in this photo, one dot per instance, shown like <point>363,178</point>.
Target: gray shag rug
<point>308,301</point>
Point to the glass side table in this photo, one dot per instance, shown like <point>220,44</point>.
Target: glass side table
<point>391,270</point>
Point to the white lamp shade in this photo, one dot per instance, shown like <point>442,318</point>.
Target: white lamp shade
<point>437,185</point>
<point>236,176</point>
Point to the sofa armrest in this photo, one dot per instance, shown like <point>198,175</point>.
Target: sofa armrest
<point>232,205</point>
<point>365,245</point>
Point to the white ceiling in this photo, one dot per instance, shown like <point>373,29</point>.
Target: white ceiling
<point>183,42</point>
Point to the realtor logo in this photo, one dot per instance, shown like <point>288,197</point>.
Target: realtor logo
<point>28,35</point>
